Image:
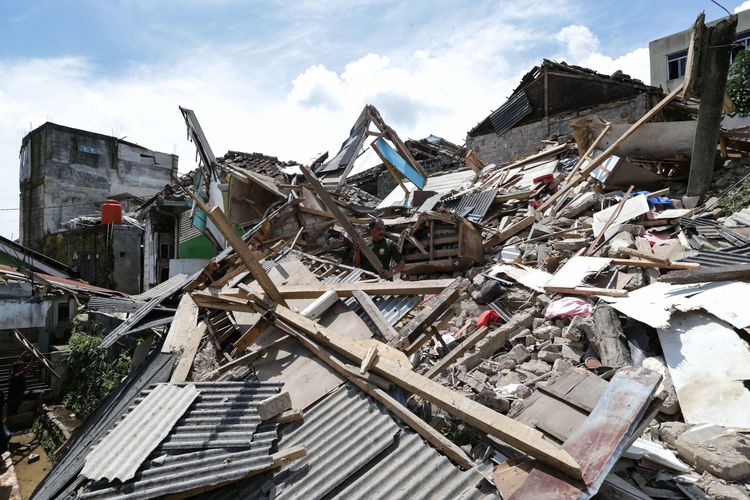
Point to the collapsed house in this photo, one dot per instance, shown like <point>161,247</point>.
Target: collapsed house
<point>568,324</point>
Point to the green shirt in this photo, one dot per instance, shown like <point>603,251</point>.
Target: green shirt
<point>384,249</point>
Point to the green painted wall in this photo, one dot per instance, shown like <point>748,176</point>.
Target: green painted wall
<point>197,248</point>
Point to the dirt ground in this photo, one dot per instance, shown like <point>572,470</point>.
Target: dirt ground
<point>29,475</point>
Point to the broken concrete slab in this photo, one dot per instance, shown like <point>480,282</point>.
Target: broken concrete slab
<point>717,450</point>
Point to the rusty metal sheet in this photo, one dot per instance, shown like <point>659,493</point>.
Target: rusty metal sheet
<point>597,444</point>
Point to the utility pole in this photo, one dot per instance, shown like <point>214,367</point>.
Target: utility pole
<point>711,49</point>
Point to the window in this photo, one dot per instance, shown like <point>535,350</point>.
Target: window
<point>676,64</point>
<point>63,311</point>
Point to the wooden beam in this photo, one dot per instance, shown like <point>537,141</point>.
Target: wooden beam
<point>190,349</point>
<point>511,230</point>
<point>383,326</point>
<point>642,255</point>
<point>341,219</point>
<point>430,434</point>
<point>654,264</point>
<point>429,313</point>
<point>240,247</point>
<point>423,287</point>
<point>514,433</point>
<point>457,351</point>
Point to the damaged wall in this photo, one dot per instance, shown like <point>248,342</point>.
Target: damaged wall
<point>67,172</point>
<point>103,258</point>
<point>525,139</point>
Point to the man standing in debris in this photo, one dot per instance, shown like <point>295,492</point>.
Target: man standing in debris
<point>384,249</point>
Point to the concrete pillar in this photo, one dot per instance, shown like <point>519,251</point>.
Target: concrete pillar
<point>717,46</point>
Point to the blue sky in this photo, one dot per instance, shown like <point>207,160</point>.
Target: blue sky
<point>289,78</point>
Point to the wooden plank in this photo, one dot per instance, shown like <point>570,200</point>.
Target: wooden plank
<point>368,360</point>
<point>511,230</point>
<point>341,218</point>
<point>726,273</point>
<point>190,349</point>
<point>647,256</point>
<point>431,435</point>
<point>246,255</point>
<point>383,326</point>
<point>457,351</point>
<point>429,313</point>
<point>598,444</point>
<point>475,414</point>
<point>423,287</point>
<point>185,320</point>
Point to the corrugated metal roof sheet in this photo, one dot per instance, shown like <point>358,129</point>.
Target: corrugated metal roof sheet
<point>64,477</point>
<point>342,433</point>
<point>438,183</point>
<point>415,471</point>
<point>224,415</point>
<point>170,474</point>
<point>472,206</point>
<point>393,307</point>
<point>113,305</point>
<point>731,256</point>
<point>173,283</point>
<point>510,113</point>
<point>120,453</point>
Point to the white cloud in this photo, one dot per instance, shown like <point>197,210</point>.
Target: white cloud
<point>581,47</point>
<point>743,6</point>
<point>444,80</point>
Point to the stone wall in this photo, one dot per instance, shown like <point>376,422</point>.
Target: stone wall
<point>527,139</point>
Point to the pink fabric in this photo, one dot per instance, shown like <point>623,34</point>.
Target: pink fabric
<point>568,307</point>
<point>655,237</point>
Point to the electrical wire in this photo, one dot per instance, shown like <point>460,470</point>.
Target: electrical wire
<point>725,9</point>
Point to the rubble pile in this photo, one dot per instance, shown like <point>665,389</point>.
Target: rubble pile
<point>571,321</point>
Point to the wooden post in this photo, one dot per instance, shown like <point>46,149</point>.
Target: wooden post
<point>341,218</point>
<point>240,247</point>
<point>716,44</point>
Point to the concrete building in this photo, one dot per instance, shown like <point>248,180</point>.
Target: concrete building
<point>669,54</point>
<point>66,172</point>
<point>548,99</point>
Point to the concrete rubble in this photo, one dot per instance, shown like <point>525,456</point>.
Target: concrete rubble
<point>549,331</point>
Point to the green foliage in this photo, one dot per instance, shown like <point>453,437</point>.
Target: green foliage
<point>738,83</point>
<point>44,438</point>
<point>92,374</point>
<point>737,199</point>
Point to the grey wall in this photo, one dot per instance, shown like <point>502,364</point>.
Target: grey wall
<point>126,264</point>
<point>527,139</point>
<point>661,48</point>
<point>67,172</point>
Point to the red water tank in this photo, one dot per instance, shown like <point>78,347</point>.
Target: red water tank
<point>111,212</point>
